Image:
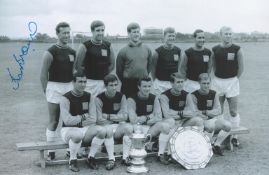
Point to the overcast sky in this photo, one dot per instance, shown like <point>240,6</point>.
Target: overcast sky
<point>184,15</point>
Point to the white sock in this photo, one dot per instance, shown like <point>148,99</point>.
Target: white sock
<point>109,143</point>
<point>222,135</point>
<point>163,140</point>
<point>95,145</point>
<point>74,147</point>
<point>126,146</point>
<point>51,137</point>
<point>235,121</point>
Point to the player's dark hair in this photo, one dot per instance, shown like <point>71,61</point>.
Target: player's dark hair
<point>131,26</point>
<point>204,76</point>
<point>175,75</point>
<point>145,78</point>
<point>110,78</point>
<point>168,30</point>
<point>78,73</point>
<point>197,31</point>
<point>96,23</point>
<point>61,24</point>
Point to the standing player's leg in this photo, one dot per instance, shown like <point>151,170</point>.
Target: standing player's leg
<point>54,113</point>
<point>125,131</point>
<point>235,118</point>
<point>222,100</point>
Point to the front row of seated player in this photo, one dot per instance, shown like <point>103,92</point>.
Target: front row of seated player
<point>109,116</point>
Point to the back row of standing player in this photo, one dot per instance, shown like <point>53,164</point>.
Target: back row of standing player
<point>134,61</point>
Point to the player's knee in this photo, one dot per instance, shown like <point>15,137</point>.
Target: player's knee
<point>209,128</point>
<point>102,133</point>
<point>227,126</point>
<point>171,122</point>
<point>165,128</point>
<point>198,121</point>
<point>128,129</point>
<point>76,136</point>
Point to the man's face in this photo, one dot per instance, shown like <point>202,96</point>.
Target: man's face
<point>178,84</point>
<point>80,84</point>
<point>112,88</point>
<point>98,33</point>
<point>205,85</point>
<point>169,38</point>
<point>200,39</point>
<point>226,36</point>
<point>64,34</point>
<point>145,87</point>
<point>135,35</point>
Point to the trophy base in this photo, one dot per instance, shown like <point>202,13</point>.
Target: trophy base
<point>137,169</point>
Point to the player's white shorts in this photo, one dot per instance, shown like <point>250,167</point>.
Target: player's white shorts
<point>228,87</point>
<point>95,87</point>
<point>55,91</point>
<point>160,86</point>
<point>191,86</point>
<point>65,130</point>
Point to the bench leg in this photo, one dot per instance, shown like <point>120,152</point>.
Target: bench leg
<point>42,159</point>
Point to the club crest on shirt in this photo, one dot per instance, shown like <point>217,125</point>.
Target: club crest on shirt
<point>104,52</point>
<point>230,56</point>
<point>149,108</point>
<point>209,103</point>
<point>181,103</point>
<point>71,58</point>
<point>116,106</point>
<point>205,58</point>
<point>85,106</point>
<point>176,57</point>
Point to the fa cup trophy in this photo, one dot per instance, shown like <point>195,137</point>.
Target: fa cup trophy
<point>138,152</point>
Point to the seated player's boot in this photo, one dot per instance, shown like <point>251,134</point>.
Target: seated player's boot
<point>171,160</point>
<point>91,161</point>
<point>110,164</point>
<point>163,159</point>
<point>235,142</point>
<point>126,162</point>
<point>51,156</point>
<point>73,165</point>
<point>217,150</point>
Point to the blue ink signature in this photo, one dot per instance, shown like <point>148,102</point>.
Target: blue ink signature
<point>15,79</point>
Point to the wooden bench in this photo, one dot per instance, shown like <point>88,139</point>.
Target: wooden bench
<point>42,146</point>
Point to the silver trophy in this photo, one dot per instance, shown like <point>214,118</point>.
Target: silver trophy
<point>138,152</point>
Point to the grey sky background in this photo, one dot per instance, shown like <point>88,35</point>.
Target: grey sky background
<point>185,15</point>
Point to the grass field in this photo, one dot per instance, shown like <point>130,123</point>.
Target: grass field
<point>24,116</point>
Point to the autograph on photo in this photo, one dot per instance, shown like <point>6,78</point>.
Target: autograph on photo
<point>20,60</point>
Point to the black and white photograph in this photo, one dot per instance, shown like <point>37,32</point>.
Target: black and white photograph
<point>134,87</point>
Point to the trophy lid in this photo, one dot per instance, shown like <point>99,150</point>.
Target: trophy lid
<point>191,147</point>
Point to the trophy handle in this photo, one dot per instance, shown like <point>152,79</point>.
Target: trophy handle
<point>147,139</point>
